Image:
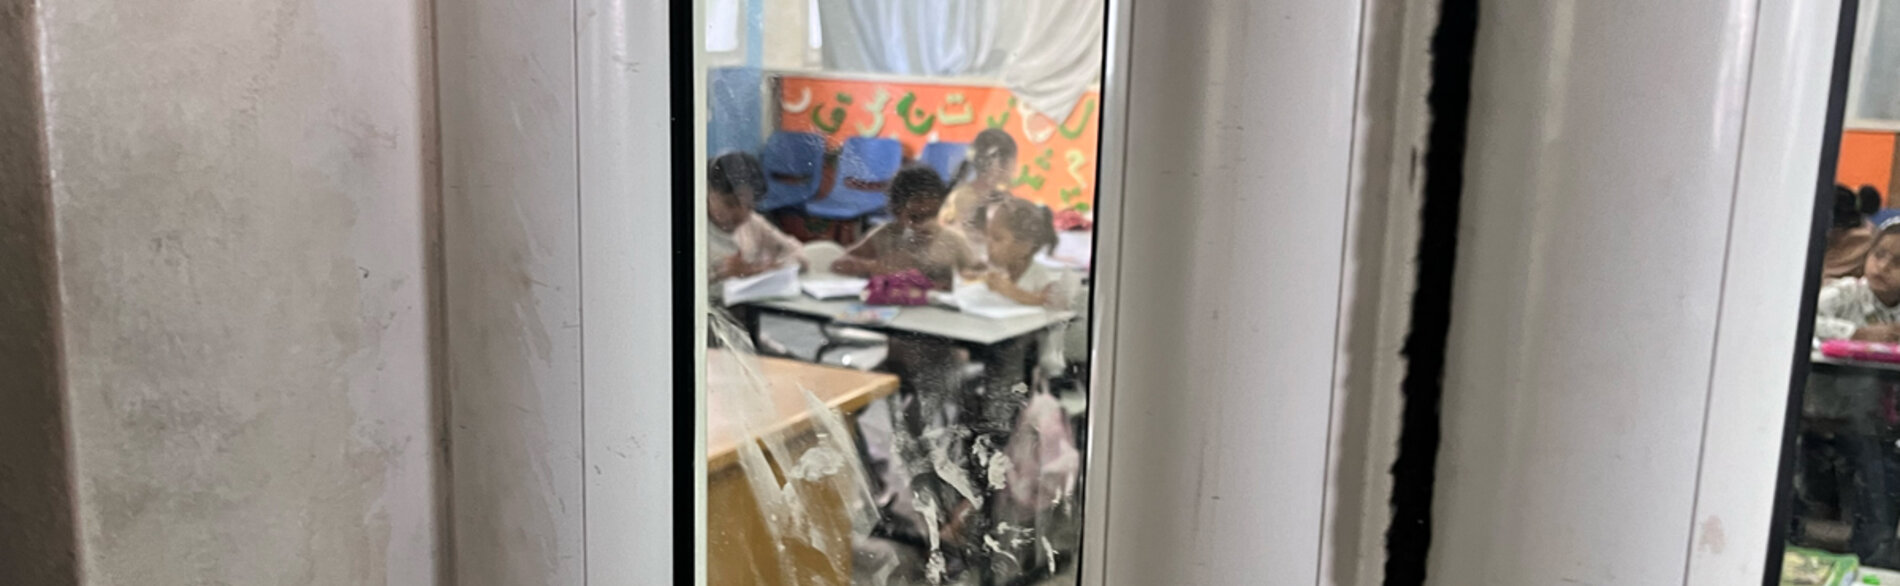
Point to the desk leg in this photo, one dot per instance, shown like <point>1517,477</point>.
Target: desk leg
<point>751,319</point>
<point>875,475</point>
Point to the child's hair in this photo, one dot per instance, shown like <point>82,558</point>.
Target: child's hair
<point>915,181</point>
<point>1851,207</point>
<point>1028,221</point>
<point>734,170</point>
<point>992,147</point>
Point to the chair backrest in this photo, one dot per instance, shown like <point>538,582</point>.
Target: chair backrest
<point>866,159</point>
<point>863,176</point>
<point>945,157</point>
<point>820,254</point>
<point>794,165</point>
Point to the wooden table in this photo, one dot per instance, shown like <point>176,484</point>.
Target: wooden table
<point>740,550</point>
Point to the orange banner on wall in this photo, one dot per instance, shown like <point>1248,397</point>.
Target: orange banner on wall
<point>1866,159</point>
<point>1056,165</point>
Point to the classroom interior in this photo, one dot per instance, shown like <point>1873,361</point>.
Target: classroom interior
<point>1846,455</point>
<point>900,241</point>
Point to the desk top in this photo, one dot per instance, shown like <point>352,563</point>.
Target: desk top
<point>930,320</point>
<point>843,389</point>
<point>1818,358</point>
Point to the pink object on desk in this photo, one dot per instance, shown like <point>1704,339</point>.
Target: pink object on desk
<point>1859,350</point>
<point>905,288</point>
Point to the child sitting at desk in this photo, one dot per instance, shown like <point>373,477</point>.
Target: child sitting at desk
<point>741,242</point>
<point>914,239</point>
<point>1015,231</point>
<point>1865,307</point>
<point>1847,413</point>
<point>981,181</point>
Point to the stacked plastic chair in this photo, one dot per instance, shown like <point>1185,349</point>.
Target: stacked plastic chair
<point>945,157</point>
<point>865,169</point>
<point>794,166</point>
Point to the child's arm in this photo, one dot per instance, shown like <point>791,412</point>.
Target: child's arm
<point>736,266</point>
<point>860,260</point>
<point>1828,324</point>
<point>1830,310</point>
<point>998,280</point>
<point>783,249</point>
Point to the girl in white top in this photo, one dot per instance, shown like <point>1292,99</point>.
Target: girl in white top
<point>1865,307</point>
<point>1015,230</point>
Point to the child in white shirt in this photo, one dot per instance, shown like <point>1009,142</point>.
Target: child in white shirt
<point>1865,307</point>
<point>742,243</point>
<point>1846,413</point>
<point>1015,230</point>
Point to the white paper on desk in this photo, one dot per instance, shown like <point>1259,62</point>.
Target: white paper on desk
<point>834,287</point>
<point>976,298</point>
<point>773,284</point>
<point>1074,249</point>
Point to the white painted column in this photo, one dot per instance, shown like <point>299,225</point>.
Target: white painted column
<point>1238,144</point>
<point>1636,213</point>
<point>511,264</point>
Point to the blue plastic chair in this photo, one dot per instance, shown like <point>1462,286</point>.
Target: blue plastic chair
<point>794,165</point>
<point>865,169</point>
<point>945,157</point>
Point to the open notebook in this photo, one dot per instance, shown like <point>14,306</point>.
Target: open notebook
<point>833,287</point>
<point>773,284</point>
<point>976,298</point>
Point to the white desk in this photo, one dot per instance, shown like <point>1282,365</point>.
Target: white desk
<point>1820,359</point>
<point>928,320</point>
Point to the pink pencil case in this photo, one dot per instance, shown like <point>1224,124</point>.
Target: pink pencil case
<point>1859,350</point>
<point>909,287</point>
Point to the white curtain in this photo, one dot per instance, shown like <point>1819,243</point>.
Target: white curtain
<point>722,26</point>
<point>1048,52</point>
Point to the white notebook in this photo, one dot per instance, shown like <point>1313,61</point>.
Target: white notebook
<point>976,298</point>
<point>834,287</point>
<point>773,284</point>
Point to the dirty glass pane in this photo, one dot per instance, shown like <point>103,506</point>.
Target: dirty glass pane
<point>900,210</point>
<point>1845,501</point>
<point>1877,89</point>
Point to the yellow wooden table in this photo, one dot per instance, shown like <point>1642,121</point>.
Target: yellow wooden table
<point>739,549</point>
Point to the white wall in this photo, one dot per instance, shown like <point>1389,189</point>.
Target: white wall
<point>239,193</point>
<point>1630,259</point>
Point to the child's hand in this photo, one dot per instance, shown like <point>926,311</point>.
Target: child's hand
<point>857,266</point>
<point>1878,333</point>
<point>998,280</point>
<point>736,266</point>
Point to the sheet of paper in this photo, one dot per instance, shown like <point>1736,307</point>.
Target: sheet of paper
<point>773,284</point>
<point>976,298</point>
<point>1074,249</point>
<point>833,287</point>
